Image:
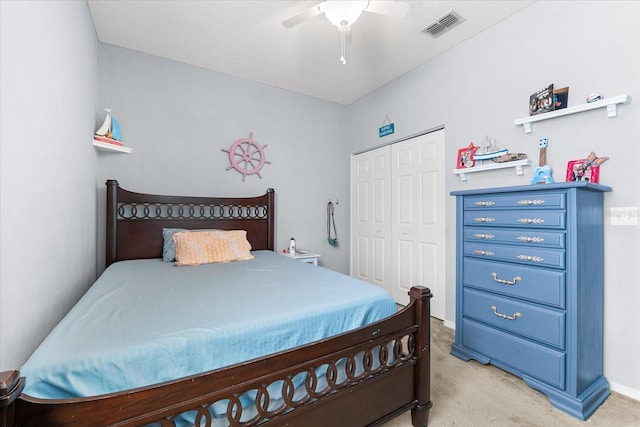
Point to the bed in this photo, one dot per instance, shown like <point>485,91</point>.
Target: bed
<point>345,377</point>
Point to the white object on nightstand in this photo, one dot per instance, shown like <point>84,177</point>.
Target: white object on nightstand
<point>309,258</point>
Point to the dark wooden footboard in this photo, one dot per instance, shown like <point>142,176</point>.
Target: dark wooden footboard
<point>387,373</point>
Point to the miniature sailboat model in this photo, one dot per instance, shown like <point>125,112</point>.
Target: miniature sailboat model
<point>109,131</point>
<point>106,125</point>
<point>489,150</point>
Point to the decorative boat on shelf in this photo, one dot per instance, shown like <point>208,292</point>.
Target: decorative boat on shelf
<point>489,150</point>
<point>110,128</point>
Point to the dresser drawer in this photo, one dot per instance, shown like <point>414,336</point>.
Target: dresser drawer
<point>529,283</point>
<point>525,356</point>
<point>531,321</point>
<point>523,255</point>
<point>542,238</point>
<point>531,199</point>
<point>523,219</point>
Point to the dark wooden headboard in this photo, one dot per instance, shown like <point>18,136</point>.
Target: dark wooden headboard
<point>135,220</point>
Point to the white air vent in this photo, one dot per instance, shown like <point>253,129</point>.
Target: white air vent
<point>443,24</point>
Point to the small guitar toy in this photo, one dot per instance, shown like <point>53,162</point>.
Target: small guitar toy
<point>542,174</point>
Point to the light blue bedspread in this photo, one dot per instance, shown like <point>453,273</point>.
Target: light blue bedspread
<point>145,321</point>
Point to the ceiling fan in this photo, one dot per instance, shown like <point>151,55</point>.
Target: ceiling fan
<point>343,13</point>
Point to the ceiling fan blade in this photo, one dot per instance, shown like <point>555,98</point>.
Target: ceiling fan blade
<point>397,9</point>
<point>303,16</point>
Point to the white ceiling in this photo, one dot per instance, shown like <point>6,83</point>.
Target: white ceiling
<point>246,39</point>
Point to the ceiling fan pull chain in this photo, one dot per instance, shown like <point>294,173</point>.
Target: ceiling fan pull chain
<point>343,58</point>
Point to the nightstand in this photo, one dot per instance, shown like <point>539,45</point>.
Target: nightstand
<point>309,258</point>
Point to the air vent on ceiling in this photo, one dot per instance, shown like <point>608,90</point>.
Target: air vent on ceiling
<point>443,24</point>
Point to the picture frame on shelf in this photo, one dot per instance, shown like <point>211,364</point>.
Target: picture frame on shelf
<point>541,101</point>
<point>465,156</point>
<point>579,170</point>
<point>560,98</point>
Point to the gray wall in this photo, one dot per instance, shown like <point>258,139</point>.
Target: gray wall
<point>483,84</point>
<point>48,81</point>
<point>179,118</point>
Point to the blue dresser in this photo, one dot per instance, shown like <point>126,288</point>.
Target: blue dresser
<point>529,293</point>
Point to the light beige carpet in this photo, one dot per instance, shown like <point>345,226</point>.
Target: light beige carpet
<point>471,394</point>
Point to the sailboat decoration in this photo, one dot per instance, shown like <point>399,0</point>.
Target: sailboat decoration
<point>109,132</point>
<point>489,150</point>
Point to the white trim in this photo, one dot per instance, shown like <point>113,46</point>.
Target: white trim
<point>435,129</point>
<point>449,324</point>
<point>625,390</point>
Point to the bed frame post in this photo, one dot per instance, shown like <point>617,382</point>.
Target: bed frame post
<point>112,216</point>
<point>11,385</point>
<point>420,414</point>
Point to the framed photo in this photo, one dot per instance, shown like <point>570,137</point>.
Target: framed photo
<point>541,101</point>
<point>560,98</point>
<point>465,157</point>
<point>579,170</point>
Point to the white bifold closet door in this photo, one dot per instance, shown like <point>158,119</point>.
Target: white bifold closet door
<point>371,217</point>
<point>398,227</point>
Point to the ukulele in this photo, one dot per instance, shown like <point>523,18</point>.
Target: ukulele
<point>542,174</point>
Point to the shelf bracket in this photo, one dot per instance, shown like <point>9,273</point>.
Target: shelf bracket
<point>612,110</point>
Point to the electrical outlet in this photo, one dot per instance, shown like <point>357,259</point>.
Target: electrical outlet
<point>624,216</point>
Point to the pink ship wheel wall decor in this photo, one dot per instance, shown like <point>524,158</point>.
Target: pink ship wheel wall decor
<point>246,156</point>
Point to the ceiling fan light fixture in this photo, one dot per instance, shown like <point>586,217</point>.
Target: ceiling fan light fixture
<point>343,13</point>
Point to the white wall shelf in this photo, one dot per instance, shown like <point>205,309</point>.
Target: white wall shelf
<point>105,146</point>
<point>517,164</point>
<point>611,104</point>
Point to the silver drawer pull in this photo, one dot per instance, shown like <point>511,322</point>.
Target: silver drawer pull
<point>530,239</point>
<point>530,258</point>
<point>487,253</point>
<point>506,282</point>
<point>530,220</point>
<point>485,203</point>
<point>515,316</point>
<point>530,202</point>
<point>489,219</point>
<point>483,236</point>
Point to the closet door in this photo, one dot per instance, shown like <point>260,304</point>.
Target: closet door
<point>371,217</point>
<point>418,227</point>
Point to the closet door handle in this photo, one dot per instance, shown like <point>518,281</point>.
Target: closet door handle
<point>515,316</point>
<point>506,282</point>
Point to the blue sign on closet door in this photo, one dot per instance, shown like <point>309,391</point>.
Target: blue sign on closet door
<point>386,130</point>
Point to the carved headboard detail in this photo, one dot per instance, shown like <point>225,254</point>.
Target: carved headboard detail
<point>135,220</point>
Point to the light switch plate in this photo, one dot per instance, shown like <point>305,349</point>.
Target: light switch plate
<point>624,216</point>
